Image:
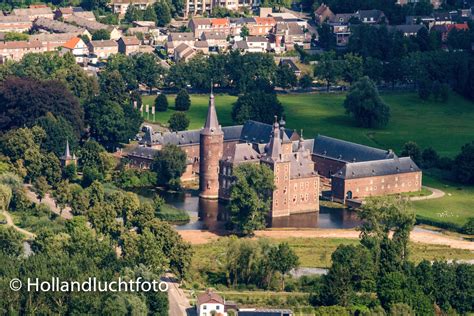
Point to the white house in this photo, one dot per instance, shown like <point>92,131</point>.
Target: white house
<point>209,303</point>
<point>78,48</point>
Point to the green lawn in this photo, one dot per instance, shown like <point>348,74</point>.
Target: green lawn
<point>444,126</point>
<point>453,209</point>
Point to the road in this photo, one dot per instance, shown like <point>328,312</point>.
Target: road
<point>424,237</point>
<point>178,302</point>
<point>48,201</point>
<point>435,194</point>
<point>10,223</point>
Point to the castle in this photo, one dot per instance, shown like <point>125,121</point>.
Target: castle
<point>303,168</point>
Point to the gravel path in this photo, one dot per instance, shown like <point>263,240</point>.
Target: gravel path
<point>48,201</point>
<point>435,194</point>
<point>10,223</point>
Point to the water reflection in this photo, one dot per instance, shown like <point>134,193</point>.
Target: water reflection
<point>212,215</point>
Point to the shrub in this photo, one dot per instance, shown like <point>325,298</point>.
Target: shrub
<point>161,103</point>
<point>182,101</point>
<point>178,122</point>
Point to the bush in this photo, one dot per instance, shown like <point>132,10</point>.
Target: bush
<point>182,101</point>
<point>178,122</point>
<point>430,158</point>
<point>468,228</point>
<point>161,103</point>
<point>445,163</point>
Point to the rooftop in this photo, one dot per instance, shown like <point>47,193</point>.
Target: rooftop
<point>377,168</point>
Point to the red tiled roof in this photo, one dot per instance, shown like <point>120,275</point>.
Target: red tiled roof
<point>209,297</point>
<point>264,21</point>
<point>72,43</point>
<point>458,26</point>
<point>220,21</point>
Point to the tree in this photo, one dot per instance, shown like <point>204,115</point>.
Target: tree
<point>182,101</point>
<point>169,164</point>
<point>353,67</point>
<point>256,105</point>
<point>11,243</point>
<point>149,14</point>
<point>41,187</point>
<point>363,102</point>
<point>161,103</point>
<point>113,86</point>
<point>63,195</point>
<point>285,77</point>
<point>178,122</point>
<point>463,166</point>
<point>283,259</point>
<point>327,39</point>
<point>133,14</point>
<point>163,13</point>
<point>150,70</point>
<point>306,81</point>
<point>5,197</point>
<point>249,199</point>
<point>429,157</point>
<point>41,97</point>
<point>328,68</point>
<point>412,150</point>
<point>244,32</point>
<point>15,36</point>
<point>100,35</point>
<point>58,131</point>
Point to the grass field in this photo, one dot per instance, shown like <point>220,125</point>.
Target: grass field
<point>454,209</point>
<point>444,126</point>
<point>316,252</point>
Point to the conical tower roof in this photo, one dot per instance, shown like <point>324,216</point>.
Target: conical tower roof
<point>212,123</point>
<point>274,146</point>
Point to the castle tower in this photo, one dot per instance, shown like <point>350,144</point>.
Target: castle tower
<point>210,152</point>
<point>67,158</point>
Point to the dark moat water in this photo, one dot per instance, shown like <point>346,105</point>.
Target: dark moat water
<point>212,215</point>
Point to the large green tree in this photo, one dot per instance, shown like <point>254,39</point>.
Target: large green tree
<point>257,105</point>
<point>364,103</point>
<point>250,198</point>
<point>463,167</point>
<point>178,122</point>
<point>329,68</point>
<point>169,164</point>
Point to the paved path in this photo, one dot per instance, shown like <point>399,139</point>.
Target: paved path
<point>203,237</point>
<point>10,222</point>
<point>435,194</point>
<point>48,201</point>
<point>178,302</point>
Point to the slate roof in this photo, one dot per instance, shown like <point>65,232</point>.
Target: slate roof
<point>213,35</point>
<point>32,11</point>
<point>130,40</point>
<point>368,14</point>
<point>345,151</point>
<point>181,36</point>
<point>241,45</point>
<point>256,39</point>
<point>377,168</point>
<point>103,43</point>
<point>14,18</point>
<point>408,28</point>
<point>144,152</point>
<point>257,132</point>
<point>56,26</point>
<point>242,152</point>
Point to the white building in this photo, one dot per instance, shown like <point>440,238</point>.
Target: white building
<point>78,48</point>
<point>209,303</point>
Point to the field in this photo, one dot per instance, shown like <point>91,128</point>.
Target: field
<point>450,211</point>
<point>425,122</point>
<point>316,252</point>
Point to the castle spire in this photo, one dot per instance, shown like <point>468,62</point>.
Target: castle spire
<point>274,146</point>
<point>67,153</point>
<point>301,142</point>
<point>212,122</point>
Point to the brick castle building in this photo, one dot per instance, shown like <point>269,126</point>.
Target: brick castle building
<point>302,168</point>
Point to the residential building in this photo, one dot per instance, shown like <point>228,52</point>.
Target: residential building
<point>64,13</point>
<point>210,303</point>
<point>253,44</point>
<point>176,39</point>
<point>436,3</point>
<point>121,6</point>
<point>183,52</point>
<point>17,49</point>
<point>215,39</point>
<point>34,13</point>
<point>55,26</point>
<point>342,32</point>
<point>78,49</point>
<point>371,16</point>
<point>52,42</point>
<point>342,18</point>
<point>407,29</point>
<point>13,23</point>
<point>93,26</point>
<point>442,18</point>
<point>199,25</point>
<point>103,49</point>
<point>262,26</point>
<point>323,13</point>
<point>128,45</point>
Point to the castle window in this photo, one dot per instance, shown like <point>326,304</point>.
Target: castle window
<point>396,178</point>
<point>416,176</point>
<point>306,197</point>
<point>383,187</point>
<point>388,186</point>
<point>306,185</point>
<point>301,197</point>
<point>396,185</point>
<point>371,181</point>
<point>294,199</point>
<point>366,189</point>
<point>416,182</point>
<point>403,184</point>
<point>383,180</point>
<point>375,188</point>
<point>286,168</point>
<point>357,189</point>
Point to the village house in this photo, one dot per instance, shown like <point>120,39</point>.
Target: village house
<point>215,39</point>
<point>442,18</point>
<point>262,26</point>
<point>416,19</point>
<point>322,14</point>
<point>13,23</point>
<point>103,49</point>
<point>199,25</point>
<point>371,16</point>
<point>252,44</point>
<point>121,6</point>
<point>128,45</point>
<point>17,49</point>
<point>64,13</point>
<point>78,49</point>
<point>407,30</point>
<point>176,39</point>
<point>93,26</point>
<point>202,46</point>
<point>183,52</point>
<point>52,42</point>
<point>55,26</point>
<point>210,303</point>
<point>34,13</point>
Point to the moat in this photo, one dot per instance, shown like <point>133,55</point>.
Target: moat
<point>212,215</point>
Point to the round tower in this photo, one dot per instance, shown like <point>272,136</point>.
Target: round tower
<point>211,147</point>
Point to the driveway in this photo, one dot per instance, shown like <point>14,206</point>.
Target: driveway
<point>178,302</point>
